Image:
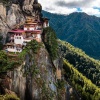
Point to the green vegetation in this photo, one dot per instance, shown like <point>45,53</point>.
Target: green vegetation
<point>6,62</point>
<point>50,41</point>
<point>8,97</point>
<point>84,86</point>
<point>32,46</point>
<point>83,63</point>
<point>61,90</point>
<point>9,61</point>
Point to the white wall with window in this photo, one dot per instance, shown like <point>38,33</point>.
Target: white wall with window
<point>13,49</point>
<point>18,39</point>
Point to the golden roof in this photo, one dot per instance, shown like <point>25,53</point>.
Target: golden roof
<point>29,19</point>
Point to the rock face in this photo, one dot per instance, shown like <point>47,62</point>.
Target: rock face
<point>3,23</point>
<point>35,79</point>
<point>2,10</point>
<point>16,13</point>
<point>28,7</point>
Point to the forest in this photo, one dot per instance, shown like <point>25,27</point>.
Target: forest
<point>88,66</point>
<point>85,88</point>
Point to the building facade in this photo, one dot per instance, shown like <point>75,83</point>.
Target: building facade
<point>32,30</point>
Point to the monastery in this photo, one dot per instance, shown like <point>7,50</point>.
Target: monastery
<point>31,30</point>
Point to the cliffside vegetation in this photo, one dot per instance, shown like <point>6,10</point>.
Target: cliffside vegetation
<point>84,86</point>
<point>8,97</point>
<point>50,40</point>
<point>83,63</point>
<point>9,61</point>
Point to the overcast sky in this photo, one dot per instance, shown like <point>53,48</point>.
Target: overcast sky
<point>91,7</point>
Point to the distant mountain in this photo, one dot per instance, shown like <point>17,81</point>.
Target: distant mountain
<point>79,29</point>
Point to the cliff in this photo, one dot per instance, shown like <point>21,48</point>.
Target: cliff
<point>35,79</point>
<point>33,74</point>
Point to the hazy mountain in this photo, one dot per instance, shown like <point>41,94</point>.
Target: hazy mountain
<point>79,29</point>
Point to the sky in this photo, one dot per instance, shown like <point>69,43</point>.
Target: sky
<point>91,7</point>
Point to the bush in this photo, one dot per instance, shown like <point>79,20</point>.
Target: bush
<point>8,97</point>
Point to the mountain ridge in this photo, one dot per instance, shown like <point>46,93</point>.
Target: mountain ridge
<point>79,29</point>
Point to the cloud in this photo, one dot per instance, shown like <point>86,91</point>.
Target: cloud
<point>91,7</point>
<point>91,11</point>
<point>73,3</point>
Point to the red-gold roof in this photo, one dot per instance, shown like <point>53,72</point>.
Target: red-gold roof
<point>17,31</point>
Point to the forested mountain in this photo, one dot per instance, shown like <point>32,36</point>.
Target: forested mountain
<point>79,29</point>
<point>83,63</point>
<point>85,88</point>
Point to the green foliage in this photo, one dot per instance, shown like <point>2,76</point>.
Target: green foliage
<point>60,84</point>
<point>6,63</point>
<point>8,97</point>
<point>86,65</point>
<point>10,61</point>
<point>84,86</point>
<point>33,46</point>
<point>50,40</point>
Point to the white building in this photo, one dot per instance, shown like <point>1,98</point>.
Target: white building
<point>11,47</point>
<point>18,36</point>
<point>45,22</point>
<point>31,31</point>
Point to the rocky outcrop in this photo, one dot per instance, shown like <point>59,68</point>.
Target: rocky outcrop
<point>3,23</point>
<point>2,10</point>
<point>15,15</point>
<point>28,7</point>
